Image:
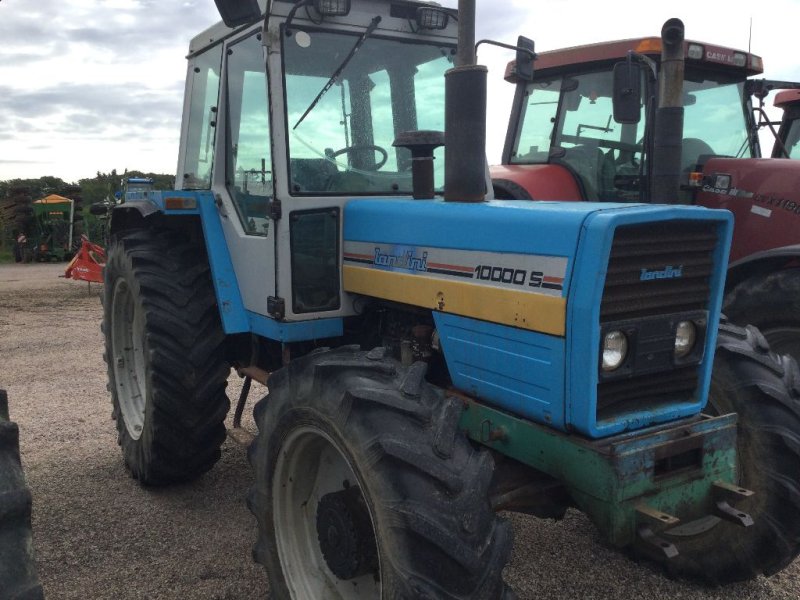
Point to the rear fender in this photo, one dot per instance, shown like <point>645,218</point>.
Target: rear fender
<point>196,210</point>
<point>537,182</point>
<point>765,262</point>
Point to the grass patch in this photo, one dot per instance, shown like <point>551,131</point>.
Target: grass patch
<point>6,256</point>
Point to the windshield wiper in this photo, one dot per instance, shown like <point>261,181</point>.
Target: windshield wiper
<point>368,32</point>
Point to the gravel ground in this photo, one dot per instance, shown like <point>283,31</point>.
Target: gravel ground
<point>98,534</point>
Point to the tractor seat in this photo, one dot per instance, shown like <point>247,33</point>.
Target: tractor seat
<point>694,151</point>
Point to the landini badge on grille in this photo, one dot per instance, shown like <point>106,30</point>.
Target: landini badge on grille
<point>668,272</point>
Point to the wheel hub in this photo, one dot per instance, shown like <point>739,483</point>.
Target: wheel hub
<point>345,534</point>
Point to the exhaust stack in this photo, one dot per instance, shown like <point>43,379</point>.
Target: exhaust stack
<point>668,137</point>
<point>465,117</point>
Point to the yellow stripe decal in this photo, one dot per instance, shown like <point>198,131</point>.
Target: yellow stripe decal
<point>537,312</point>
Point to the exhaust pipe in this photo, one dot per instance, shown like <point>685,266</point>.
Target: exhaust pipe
<point>465,117</point>
<point>668,136</point>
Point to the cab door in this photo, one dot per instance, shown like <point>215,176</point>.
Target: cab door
<point>244,180</point>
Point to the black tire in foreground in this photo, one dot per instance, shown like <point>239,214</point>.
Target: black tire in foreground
<point>164,352</point>
<point>18,579</point>
<point>365,485</point>
<point>771,302</point>
<point>764,389</point>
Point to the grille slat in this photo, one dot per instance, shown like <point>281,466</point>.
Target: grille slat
<point>647,392</point>
<point>625,303</point>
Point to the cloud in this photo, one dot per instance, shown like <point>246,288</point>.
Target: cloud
<point>111,104</point>
<point>94,84</point>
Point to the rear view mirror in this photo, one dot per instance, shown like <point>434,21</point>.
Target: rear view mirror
<point>627,97</point>
<point>524,58</point>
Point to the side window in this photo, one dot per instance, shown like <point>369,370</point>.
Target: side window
<point>249,164</point>
<point>199,150</point>
<point>538,116</point>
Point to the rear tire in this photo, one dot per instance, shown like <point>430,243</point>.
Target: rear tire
<point>18,579</point>
<point>364,484</point>
<point>771,302</point>
<point>164,352</point>
<point>764,389</point>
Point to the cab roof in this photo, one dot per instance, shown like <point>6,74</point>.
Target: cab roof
<point>719,57</point>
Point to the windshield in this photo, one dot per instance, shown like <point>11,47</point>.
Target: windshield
<point>343,144</point>
<point>568,120</point>
<point>714,121</point>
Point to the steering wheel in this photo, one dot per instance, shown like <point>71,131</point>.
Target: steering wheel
<point>358,147</point>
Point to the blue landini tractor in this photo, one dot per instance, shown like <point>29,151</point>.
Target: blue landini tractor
<point>433,357</point>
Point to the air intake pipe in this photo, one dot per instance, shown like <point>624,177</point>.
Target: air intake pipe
<point>668,135</point>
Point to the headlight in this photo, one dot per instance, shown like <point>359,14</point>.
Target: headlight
<point>685,337</point>
<point>615,349</point>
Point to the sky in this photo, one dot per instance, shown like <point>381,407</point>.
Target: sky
<point>96,85</point>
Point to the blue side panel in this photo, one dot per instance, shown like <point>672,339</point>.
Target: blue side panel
<point>583,315</point>
<point>519,371</point>
<point>542,228</point>
<point>496,226</point>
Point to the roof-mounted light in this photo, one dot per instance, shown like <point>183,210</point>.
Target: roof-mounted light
<point>332,8</point>
<point>739,59</point>
<point>431,18</point>
<point>648,46</point>
<point>756,63</point>
<point>694,51</point>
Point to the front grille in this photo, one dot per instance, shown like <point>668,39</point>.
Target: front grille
<point>636,294</point>
<point>654,248</point>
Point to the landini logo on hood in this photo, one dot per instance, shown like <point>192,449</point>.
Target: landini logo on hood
<point>669,272</point>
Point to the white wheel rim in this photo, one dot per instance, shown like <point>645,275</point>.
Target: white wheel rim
<point>311,465</point>
<point>127,359</point>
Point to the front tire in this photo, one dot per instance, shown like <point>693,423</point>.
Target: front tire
<point>764,389</point>
<point>365,485</point>
<point>18,580</point>
<point>164,352</point>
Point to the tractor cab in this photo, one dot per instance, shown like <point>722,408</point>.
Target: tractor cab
<point>564,117</point>
<point>137,188</point>
<point>301,109</point>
